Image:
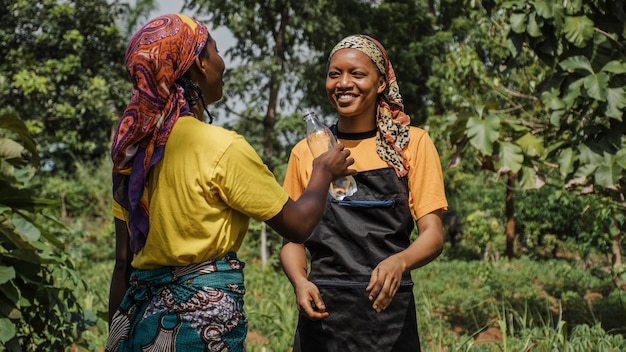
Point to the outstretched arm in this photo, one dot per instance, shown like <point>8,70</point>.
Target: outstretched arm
<point>298,218</point>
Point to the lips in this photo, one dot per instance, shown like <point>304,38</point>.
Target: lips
<point>345,98</point>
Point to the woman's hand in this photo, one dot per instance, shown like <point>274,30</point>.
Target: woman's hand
<point>335,161</point>
<point>385,281</point>
<point>310,301</point>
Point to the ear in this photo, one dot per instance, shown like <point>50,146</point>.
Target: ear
<point>197,69</point>
<point>382,84</point>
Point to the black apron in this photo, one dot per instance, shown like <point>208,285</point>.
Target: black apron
<point>353,237</point>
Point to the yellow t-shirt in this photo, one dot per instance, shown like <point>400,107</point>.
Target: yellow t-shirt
<point>202,195</point>
<point>425,178</point>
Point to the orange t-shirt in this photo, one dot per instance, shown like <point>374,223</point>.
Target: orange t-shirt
<point>425,177</point>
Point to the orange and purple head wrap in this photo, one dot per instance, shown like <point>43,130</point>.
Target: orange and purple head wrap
<point>157,55</point>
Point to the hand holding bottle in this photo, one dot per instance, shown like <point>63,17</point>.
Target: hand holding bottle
<point>320,139</point>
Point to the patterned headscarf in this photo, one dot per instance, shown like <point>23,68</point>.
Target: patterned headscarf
<point>391,121</point>
<point>157,55</point>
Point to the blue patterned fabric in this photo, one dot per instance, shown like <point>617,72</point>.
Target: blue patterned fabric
<point>193,308</point>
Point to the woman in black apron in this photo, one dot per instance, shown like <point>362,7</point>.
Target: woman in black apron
<point>358,295</point>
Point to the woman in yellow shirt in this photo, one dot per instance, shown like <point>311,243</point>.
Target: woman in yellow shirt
<point>358,294</point>
<point>184,192</point>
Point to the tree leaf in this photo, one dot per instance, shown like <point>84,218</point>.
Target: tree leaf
<point>531,145</point>
<point>616,99</point>
<point>545,8</point>
<point>596,86</point>
<point>511,156</point>
<point>6,273</point>
<point>483,133</point>
<point>608,174</point>
<point>614,66</point>
<point>533,28</point>
<point>518,22</point>
<point>566,161</point>
<point>578,30</point>
<point>7,330</point>
<point>578,62</point>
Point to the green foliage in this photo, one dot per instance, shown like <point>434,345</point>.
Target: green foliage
<point>63,71</point>
<point>37,278</point>
<point>585,96</point>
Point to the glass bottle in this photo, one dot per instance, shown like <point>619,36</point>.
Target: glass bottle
<point>320,139</point>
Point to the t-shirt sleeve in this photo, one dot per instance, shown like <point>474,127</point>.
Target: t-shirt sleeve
<point>246,184</point>
<point>296,176</point>
<point>425,176</point>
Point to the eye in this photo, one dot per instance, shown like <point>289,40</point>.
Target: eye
<point>333,74</point>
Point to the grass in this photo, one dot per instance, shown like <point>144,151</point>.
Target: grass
<point>516,305</point>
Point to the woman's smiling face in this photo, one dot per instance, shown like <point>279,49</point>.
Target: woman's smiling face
<point>353,83</point>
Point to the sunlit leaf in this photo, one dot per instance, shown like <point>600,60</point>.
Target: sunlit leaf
<point>7,330</point>
<point>534,29</point>
<point>576,63</point>
<point>608,174</point>
<point>615,66</point>
<point>616,101</point>
<point>483,132</point>
<point>566,161</point>
<point>545,8</point>
<point>6,273</point>
<point>578,30</point>
<point>511,156</point>
<point>518,22</point>
<point>531,145</point>
<point>596,85</point>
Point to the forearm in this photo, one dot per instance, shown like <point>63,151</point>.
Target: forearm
<point>300,217</point>
<point>293,260</point>
<point>120,280</point>
<point>428,244</point>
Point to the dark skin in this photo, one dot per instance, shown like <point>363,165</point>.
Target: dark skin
<point>295,221</point>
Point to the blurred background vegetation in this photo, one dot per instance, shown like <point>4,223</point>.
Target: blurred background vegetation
<point>524,100</point>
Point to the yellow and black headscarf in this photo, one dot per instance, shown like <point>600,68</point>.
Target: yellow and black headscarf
<point>392,123</point>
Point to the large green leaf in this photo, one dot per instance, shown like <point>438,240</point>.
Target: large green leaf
<point>7,330</point>
<point>609,173</point>
<point>596,86</point>
<point>616,99</point>
<point>534,28</point>
<point>25,199</point>
<point>545,8</point>
<point>483,132</point>
<point>518,22</point>
<point>578,30</point>
<point>566,161</point>
<point>531,144</point>
<point>529,179</point>
<point>615,66</point>
<point>511,156</point>
<point>12,122</point>
<point>578,62</point>
<point>6,273</point>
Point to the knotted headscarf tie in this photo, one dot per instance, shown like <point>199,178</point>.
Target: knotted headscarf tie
<point>157,55</point>
<point>391,121</point>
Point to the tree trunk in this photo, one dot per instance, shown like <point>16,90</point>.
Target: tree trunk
<point>510,215</point>
<point>263,244</point>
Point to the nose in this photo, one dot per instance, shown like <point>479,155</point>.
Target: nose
<point>344,80</point>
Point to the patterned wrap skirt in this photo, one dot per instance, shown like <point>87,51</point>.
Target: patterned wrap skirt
<point>192,308</point>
